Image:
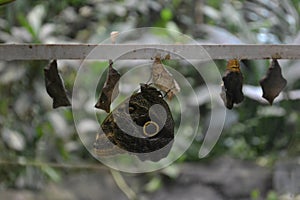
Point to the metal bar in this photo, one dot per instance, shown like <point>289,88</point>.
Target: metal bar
<point>145,51</point>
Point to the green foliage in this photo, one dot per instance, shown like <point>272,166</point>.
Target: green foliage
<point>153,185</point>
<point>51,173</point>
<point>255,195</point>
<point>272,196</point>
<point>3,2</point>
<point>166,14</point>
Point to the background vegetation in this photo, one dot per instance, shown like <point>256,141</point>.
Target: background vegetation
<point>31,131</point>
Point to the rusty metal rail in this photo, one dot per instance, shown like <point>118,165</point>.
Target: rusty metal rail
<point>145,51</point>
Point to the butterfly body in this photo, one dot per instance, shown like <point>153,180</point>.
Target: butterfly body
<point>142,124</point>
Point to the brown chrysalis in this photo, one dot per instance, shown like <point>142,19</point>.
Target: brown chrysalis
<point>55,86</point>
<point>110,89</point>
<point>142,125</point>
<point>273,83</point>
<point>163,79</point>
<point>232,84</point>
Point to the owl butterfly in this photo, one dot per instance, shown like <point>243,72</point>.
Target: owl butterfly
<point>55,86</point>
<point>232,84</point>
<point>273,83</point>
<point>141,125</point>
<point>110,89</point>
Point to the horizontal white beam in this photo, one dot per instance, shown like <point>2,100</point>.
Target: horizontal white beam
<point>145,51</point>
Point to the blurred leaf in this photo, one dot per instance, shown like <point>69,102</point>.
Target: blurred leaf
<point>272,196</point>
<point>255,194</point>
<point>218,35</point>
<point>39,132</point>
<point>283,24</point>
<point>13,139</point>
<point>214,3</point>
<point>268,111</point>
<point>292,72</point>
<point>3,2</point>
<point>166,14</point>
<point>234,18</point>
<point>25,23</point>
<point>35,17</point>
<point>59,124</point>
<point>12,71</point>
<point>33,22</point>
<point>154,184</point>
<point>23,105</point>
<point>212,13</point>
<point>87,125</point>
<point>51,173</point>
<point>171,171</point>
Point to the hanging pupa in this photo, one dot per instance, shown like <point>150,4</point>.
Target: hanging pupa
<point>110,90</point>
<point>55,86</point>
<point>273,83</point>
<point>163,79</point>
<point>232,84</point>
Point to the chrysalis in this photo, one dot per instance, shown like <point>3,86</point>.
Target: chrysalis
<point>163,79</point>
<point>232,84</point>
<point>55,86</point>
<point>110,90</point>
<point>273,83</point>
